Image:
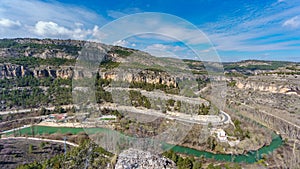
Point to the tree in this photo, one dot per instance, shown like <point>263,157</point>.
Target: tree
<point>32,129</point>
<point>59,110</point>
<point>187,163</point>
<point>180,162</point>
<point>30,148</point>
<point>174,157</point>
<point>43,111</point>
<point>197,165</point>
<point>209,125</point>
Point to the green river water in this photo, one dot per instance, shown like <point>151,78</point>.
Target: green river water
<point>250,157</point>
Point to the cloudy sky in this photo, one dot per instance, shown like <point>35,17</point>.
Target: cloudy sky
<point>236,29</point>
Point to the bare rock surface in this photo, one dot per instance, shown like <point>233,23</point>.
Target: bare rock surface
<point>133,158</point>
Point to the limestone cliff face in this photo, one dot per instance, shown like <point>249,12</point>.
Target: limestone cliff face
<point>141,76</point>
<point>11,70</point>
<point>63,72</point>
<point>68,72</point>
<point>269,87</point>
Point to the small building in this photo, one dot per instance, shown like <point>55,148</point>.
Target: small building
<point>108,117</point>
<point>58,117</point>
<point>221,134</point>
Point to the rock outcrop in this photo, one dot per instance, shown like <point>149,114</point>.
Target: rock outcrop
<point>12,70</point>
<point>8,71</point>
<point>141,76</point>
<point>133,158</point>
<point>270,84</point>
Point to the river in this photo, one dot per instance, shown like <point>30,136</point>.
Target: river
<point>250,157</point>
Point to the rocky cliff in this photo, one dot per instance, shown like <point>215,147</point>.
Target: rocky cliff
<point>133,158</point>
<point>272,84</point>
<point>68,72</point>
<point>25,49</point>
<point>141,76</point>
<point>12,70</point>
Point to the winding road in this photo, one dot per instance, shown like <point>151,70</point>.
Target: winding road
<point>215,120</point>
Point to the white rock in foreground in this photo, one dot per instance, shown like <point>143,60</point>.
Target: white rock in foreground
<point>138,159</point>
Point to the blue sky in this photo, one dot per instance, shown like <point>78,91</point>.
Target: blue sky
<point>237,29</point>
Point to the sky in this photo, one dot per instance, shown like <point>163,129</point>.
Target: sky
<point>233,30</point>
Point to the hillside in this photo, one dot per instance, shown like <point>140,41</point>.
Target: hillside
<point>142,96</point>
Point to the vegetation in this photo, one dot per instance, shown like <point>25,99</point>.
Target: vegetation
<point>137,99</point>
<point>177,106</point>
<point>272,65</point>
<point>112,112</point>
<point>120,51</point>
<point>87,154</point>
<point>151,87</point>
<point>109,65</point>
<point>191,163</point>
<point>183,163</point>
<point>25,98</point>
<point>239,132</point>
<point>100,94</point>
<point>155,69</point>
<point>26,81</point>
<point>212,143</point>
<point>12,44</point>
<point>171,102</point>
<point>195,65</point>
<point>293,68</point>
<point>30,148</point>
<point>232,83</point>
<point>32,62</point>
<point>27,92</point>
<point>202,83</point>
<point>203,109</point>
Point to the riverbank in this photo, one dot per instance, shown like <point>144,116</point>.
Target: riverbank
<point>54,124</point>
<point>250,157</point>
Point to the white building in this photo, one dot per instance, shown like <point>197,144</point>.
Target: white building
<point>221,135</point>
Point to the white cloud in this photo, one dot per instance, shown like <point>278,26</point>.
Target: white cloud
<point>165,47</point>
<point>294,22</point>
<point>47,19</point>
<point>206,50</point>
<point>257,31</point>
<point>118,14</point>
<point>123,43</point>
<point>161,50</point>
<point>151,24</point>
<point>184,34</point>
<point>43,28</point>
<point>7,23</point>
<point>31,11</point>
<point>97,34</point>
<point>115,14</point>
<point>52,29</point>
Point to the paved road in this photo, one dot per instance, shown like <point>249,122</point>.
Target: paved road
<point>29,110</point>
<point>162,95</point>
<point>42,139</point>
<point>222,118</point>
<point>25,118</point>
<point>215,120</point>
